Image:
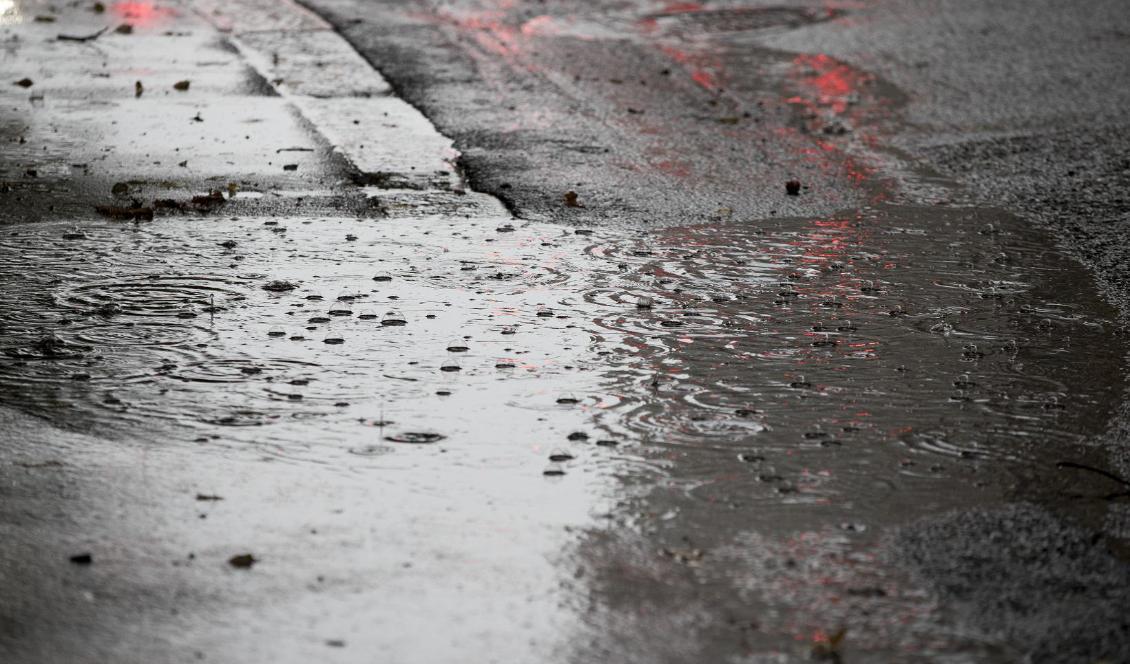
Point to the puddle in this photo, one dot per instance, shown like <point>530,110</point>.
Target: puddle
<point>770,378</point>
<point>213,353</point>
<point>850,338</point>
<point>828,380</point>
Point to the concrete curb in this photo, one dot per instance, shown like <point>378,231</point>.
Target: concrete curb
<point>389,143</point>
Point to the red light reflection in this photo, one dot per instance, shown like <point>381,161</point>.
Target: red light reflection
<point>142,14</point>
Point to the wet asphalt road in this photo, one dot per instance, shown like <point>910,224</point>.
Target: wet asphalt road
<point>454,414</point>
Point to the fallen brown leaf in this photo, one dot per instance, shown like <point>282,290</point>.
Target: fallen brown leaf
<point>168,204</point>
<point>213,199</point>
<point>125,213</point>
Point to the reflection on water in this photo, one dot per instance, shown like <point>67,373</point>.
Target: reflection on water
<point>850,337</point>
<point>744,394</point>
<point>806,385</point>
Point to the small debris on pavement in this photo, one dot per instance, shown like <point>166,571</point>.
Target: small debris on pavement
<point>82,38</point>
<point>242,561</point>
<point>25,83</point>
<point>82,559</point>
<point>571,200</point>
<point>181,85</point>
<point>206,496</point>
<point>689,557</point>
<point>290,167</point>
<point>792,187</point>
<point>415,438</point>
<point>836,128</point>
<point>138,89</point>
<point>124,29</point>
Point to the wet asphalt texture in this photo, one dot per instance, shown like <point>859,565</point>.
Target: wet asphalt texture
<point>594,385</point>
<point>1015,106</point>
